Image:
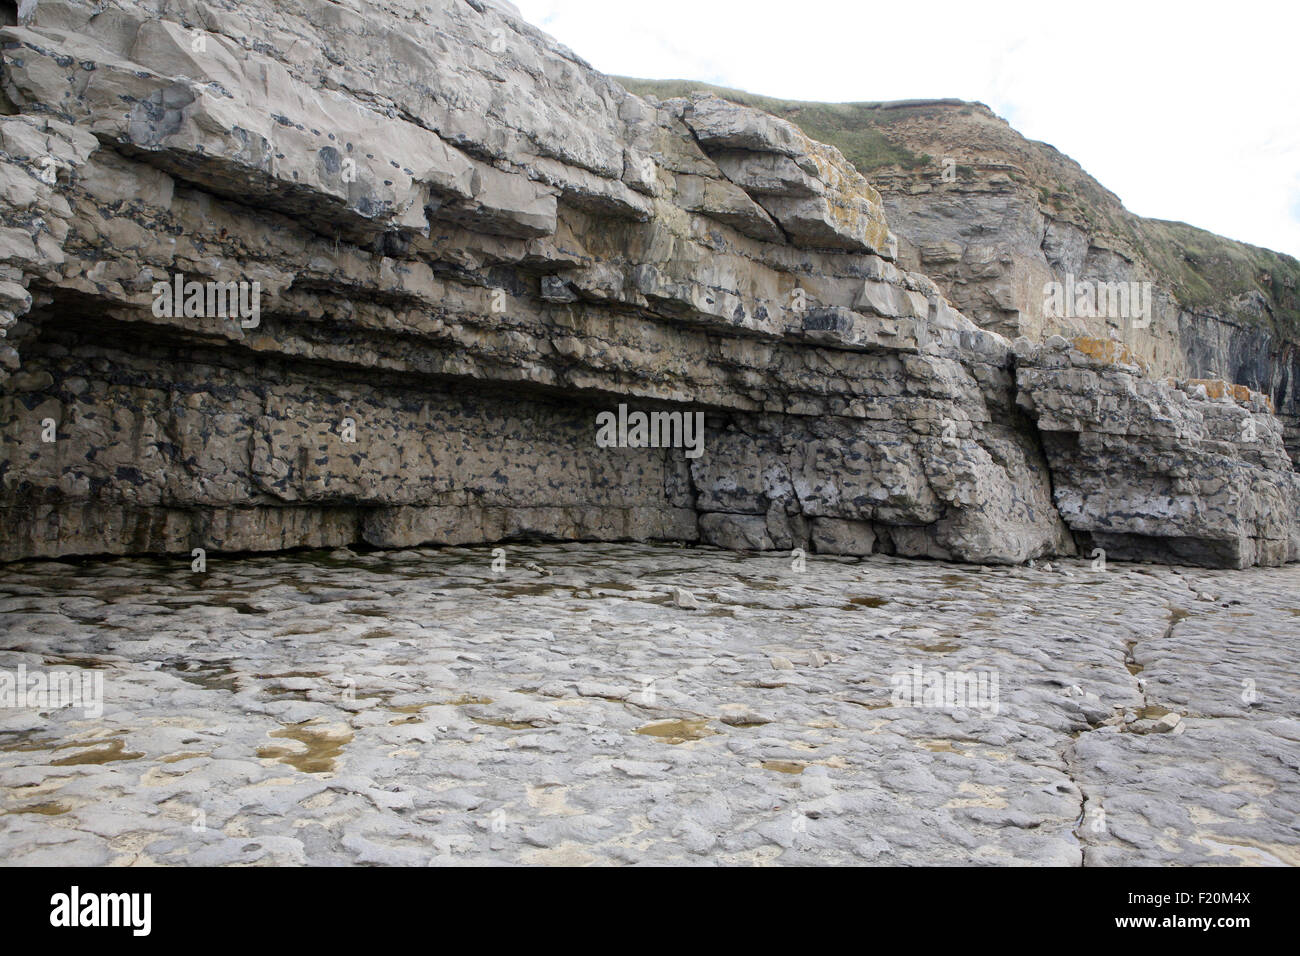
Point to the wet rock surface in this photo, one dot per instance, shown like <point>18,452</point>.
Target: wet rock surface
<point>618,704</point>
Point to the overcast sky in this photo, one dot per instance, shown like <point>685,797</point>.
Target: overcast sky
<point>1187,111</point>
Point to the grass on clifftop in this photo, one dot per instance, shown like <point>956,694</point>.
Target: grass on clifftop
<point>1207,271</point>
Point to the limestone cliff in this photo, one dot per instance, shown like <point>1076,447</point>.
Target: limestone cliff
<point>992,217</point>
<point>454,245</point>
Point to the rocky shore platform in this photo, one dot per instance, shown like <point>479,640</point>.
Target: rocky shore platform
<point>641,704</point>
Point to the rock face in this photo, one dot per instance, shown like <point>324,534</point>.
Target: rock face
<point>454,246</point>
<point>993,217</point>
<point>1194,471</point>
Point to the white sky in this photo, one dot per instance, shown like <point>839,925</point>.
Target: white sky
<point>1187,111</point>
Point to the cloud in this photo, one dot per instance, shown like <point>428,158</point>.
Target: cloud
<point>1186,112</point>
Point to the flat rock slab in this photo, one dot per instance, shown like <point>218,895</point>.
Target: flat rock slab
<point>616,704</point>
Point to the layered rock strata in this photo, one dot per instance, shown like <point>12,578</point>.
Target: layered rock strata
<point>463,244</point>
<point>1189,471</point>
<point>994,218</point>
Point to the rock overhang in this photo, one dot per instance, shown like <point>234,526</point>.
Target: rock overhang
<point>468,278</point>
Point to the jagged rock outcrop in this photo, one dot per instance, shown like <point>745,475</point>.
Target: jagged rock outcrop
<point>1190,471</point>
<point>466,246</point>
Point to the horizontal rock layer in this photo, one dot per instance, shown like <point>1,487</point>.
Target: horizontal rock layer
<point>994,217</point>
<point>467,245</point>
<point>1188,471</point>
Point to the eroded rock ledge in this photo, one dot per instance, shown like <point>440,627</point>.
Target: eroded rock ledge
<point>467,244</point>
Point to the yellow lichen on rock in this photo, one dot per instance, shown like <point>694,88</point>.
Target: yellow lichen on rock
<point>1216,388</point>
<point>1106,350</point>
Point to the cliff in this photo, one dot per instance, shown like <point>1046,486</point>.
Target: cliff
<point>992,217</point>
<point>306,274</point>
